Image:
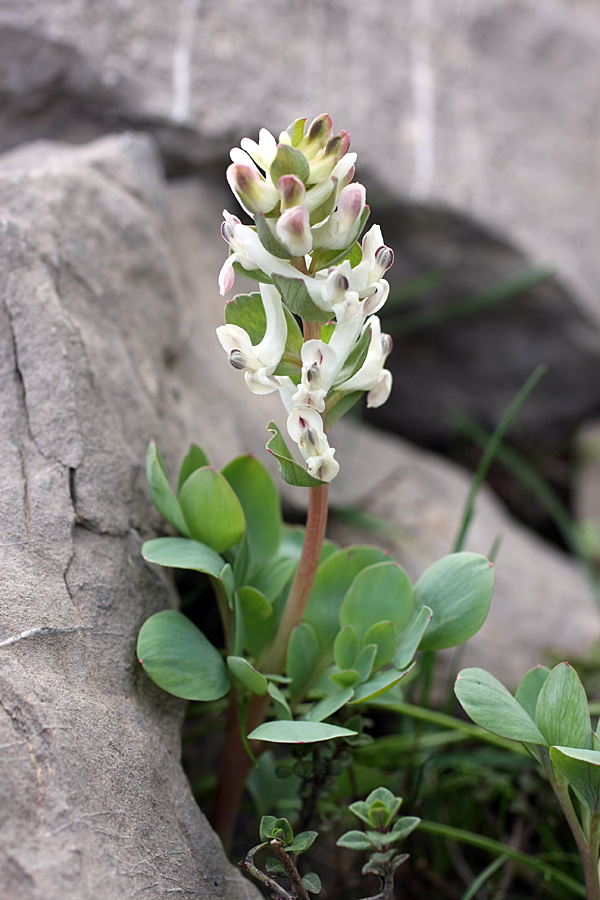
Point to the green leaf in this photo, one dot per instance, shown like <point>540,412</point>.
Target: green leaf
<point>411,637</point>
<point>404,826</point>
<point>179,659</point>
<point>251,274</point>
<point>378,685</point>
<point>490,705</point>
<point>293,539</point>
<point>254,605</point>
<point>274,867</point>
<point>562,712</point>
<point>272,828</point>
<point>211,509</point>
<point>291,471</point>
<point>364,661</point>
<point>312,883</point>
<point>248,312</point>
<point>346,647</point>
<point>268,239</point>
<point>249,677</point>
<point>160,490</point>
<point>271,577</point>
<point>337,405</point>
<point>383,635</point>
<point>256,491</point>
<point>581,768</point>
<point>287,732</point>
<point>303,841</point>
<point>529,689</point>
<point>329,705</point>
<point>355,358</point>
<point>183,553</point>
<point>380,592</point>
<point>332,581</point>
<point>282,707</point>
<point>347,678</point>
<point>289,161</point>
<point>298,300</point>
<point>194,459</point>
<point>302,655</point>
<point>355,840</point>
<point>458,589</point>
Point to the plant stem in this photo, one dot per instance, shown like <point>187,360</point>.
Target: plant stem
<point>588,849</point>
<point>316,522</point>
<point>274,886</point>
<point>292,872</point>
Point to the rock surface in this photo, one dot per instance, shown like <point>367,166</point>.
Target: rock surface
<point>93,800</point>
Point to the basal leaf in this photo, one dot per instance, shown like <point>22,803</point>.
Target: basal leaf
<point>490,705</point>
<point>381,592</point>
<point>287,732</point>
<point>378,685</point>
<point>562,712</point>
<point>194,459</point>
<point>329,705</point>
<point>581,768</point>
<point>183,553</point>
<point>411,636</point>
<point>346,647</point>
<point>246,675</point>
<point>458,589</point>
<point>212,511</point>
<point>346,678</point>
<point>256,491</point>
<point>291,471</point>
<point>302,656</point>
<point>160,490</point>
<point>383,635</point>
<point>179,659</point>
<point>529,689</point>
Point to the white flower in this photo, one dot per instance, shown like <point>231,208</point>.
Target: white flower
<point>293,230</point>
<point>260,361</point>
<point>254,193</point>
<point>341,228</point>
<point>264,152</point>
<point>372,376</point>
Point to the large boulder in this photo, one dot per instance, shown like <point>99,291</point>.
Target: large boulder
<point>93,800</point>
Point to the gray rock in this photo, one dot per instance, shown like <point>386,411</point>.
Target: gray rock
<point>93,800</point>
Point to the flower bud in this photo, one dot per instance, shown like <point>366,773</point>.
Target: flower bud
<point>318,136</point>
<point>293,230</point>
<point>292,191</point>
<point>254,193</point>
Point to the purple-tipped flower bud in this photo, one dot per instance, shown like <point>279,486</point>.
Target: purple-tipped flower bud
<point>324,163</point>
<point>384,257</point>
<point>318,135</point>
<point>293,230</point>
<point>254,193</point>
<point>292,191</point>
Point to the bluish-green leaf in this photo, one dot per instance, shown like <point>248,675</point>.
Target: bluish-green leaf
<point>411,637</point>
<point>303,841</point>
<point>329,705</point>
<point>355,840</point>
<point>458,589</point>
<point>379,684</point>
<point>256,491</point>
<point>298,300</point>
<point>337,405</point>
<point>581,768</point>
<point>346,678</point>
<point>292,541</point>
<point>212,511</point>
<point>179,659</point>
<point>272,828</point>
<point>380,592</point>
<point>562,712</point>
<point>332,581</point>
<point>194,459</point>
<point>291,471</point>
<point>383,635</point>
<point>364,661</point>
<point>346,647</point>
<point>287,732</point>
<point>269,240</point>
<point>490,705</point>
<point>302,656</point>
<point>282,707</point>
<point>271,576</point>
<point>529,689</point>
<point>160,490</point>
<point>312,882</point>
<point>289,161</point>
<point>252,274</point>
<point>246,675</point>
<point>183,553</point>
<point>254,604</point>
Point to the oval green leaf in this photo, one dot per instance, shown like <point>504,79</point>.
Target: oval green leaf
<point>256,491</point>
<point>160,490</point>
<point>529,689</point>
<point>329,705</point>
<point>302,656</point>
<point>212,511</point>
<point>581,768</point>
<point>288,732</point>
<point>195,458</point>
<point>346,647</point>
<point>490,705</point>
<point>183,553</point>
<point>458,589</point>
<point>381,592</point>
<point>383,635</point>
<point>179,659</point>
<point>246,675</point>
<point>562,713</point>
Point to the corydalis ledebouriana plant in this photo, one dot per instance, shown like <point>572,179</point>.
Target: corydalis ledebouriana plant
<point>303,249</point>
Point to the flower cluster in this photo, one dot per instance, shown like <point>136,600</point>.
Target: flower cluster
<point>303,250</point>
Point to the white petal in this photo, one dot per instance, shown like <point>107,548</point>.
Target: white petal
<point>324,466</point>
<point>293,230</point>
<point>232,337</point>
<point>260,382</point>
<point>301,419</point>
<point>380,392</point>
<point>270,349</point>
